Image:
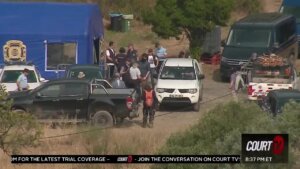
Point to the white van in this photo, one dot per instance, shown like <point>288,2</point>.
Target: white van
<point>180,80</point>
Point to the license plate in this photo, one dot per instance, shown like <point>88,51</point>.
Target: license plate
<point>176,95</point>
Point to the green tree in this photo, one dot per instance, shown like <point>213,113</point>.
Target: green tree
<point>170,18</point>
<point>17,130</point>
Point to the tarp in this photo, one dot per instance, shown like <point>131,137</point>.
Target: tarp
<point>36,24</point>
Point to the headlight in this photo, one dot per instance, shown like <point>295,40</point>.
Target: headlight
<point>223,59</point>
<point>160,90</point>
<point>192,91</point>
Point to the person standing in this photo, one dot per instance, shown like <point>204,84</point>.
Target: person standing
<point>117,82</point>
<point>132,53</point>
<point>125,74</point>
<point>145,69</point>
<point>22,82</point>
<point>135,75</point>
<point>153,61</point>
<point>121,58</point>
<point>148,106</point>
<point>160,52</point>
<point>232,85</point>
<point>110,59</point>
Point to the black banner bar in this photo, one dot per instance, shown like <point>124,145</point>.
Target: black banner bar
<point>17,159</point>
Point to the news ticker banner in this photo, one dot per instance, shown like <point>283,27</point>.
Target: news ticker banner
<point>265,148</point>
<point>18,159</point>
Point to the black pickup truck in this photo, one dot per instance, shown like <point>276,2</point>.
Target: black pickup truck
<point>79,100</point>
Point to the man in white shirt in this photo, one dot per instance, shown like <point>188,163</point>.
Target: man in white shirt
<point>22,81</point>
<point>135,75</point>
<point>110,59</point>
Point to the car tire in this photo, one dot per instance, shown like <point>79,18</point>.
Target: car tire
<point>102,118</point>
<point>196,106</point>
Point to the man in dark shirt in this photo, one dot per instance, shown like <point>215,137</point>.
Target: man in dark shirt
<point>121,58</point>
<point>132,53</point>
<point>145,69</point>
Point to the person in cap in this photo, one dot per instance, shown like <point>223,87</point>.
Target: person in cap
<point>22,82</point>
<point>81,75</point>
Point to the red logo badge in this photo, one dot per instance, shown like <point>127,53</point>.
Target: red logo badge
<point>278,145</point>
<point>129,160</point>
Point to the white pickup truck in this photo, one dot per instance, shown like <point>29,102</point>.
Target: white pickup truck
<point>268,75</point>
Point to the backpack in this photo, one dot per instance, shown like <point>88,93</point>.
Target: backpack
<point>149,98</point>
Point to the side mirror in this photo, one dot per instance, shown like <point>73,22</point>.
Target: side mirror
<point>201,76</point>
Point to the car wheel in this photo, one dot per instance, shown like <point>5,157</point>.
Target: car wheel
<point>196,106</point>
<point>102,118</point>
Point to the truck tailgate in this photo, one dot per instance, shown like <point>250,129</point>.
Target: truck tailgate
<point>256,90</point>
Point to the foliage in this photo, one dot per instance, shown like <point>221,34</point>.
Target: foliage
<point>247,6</point>
<point>193,17</point>
<point>16,130</point>
<point>219,132</point>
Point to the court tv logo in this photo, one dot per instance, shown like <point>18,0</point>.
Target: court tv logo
<point>265,148</point>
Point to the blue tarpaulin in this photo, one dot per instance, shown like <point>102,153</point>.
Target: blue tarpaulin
<point>44,27</point>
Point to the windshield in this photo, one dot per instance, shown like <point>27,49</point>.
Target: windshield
<point>11,76</point>
<point>178,73</point>
<point>91,73</point>
<point>292,10</point>
<point>249,37</point>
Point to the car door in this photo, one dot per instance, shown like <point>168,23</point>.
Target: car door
<point>46,103</point>
<point>74,100</point>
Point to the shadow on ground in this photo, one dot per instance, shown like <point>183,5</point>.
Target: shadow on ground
<point>217,77</point>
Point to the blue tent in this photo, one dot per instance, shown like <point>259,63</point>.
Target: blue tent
<point>49,34</point>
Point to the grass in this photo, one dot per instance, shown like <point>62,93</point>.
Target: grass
<point>219,132</point>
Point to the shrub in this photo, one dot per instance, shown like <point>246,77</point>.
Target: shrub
<point>219,132</point>
<point>16,130</point>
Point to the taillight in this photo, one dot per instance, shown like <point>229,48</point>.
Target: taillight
<point>129,102</point>
<point>250,90</point>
